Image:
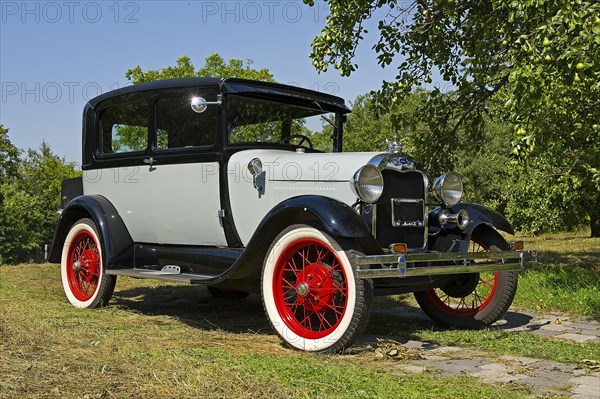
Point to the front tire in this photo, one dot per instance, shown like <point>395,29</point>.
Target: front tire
<point>310,293</point>
<point>475,300</point>
<point>82,269</point>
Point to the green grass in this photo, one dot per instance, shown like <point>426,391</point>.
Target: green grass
<point>163,340</point>
<point>567,278</point>
<point>168,341</point>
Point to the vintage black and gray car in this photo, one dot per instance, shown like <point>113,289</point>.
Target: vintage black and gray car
<point>242,186</point>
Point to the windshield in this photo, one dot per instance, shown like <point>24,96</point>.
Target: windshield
<point>251,121</point>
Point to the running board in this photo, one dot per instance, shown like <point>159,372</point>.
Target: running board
<point>168,273</point>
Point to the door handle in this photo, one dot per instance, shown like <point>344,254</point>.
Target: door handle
<point>149,161</point>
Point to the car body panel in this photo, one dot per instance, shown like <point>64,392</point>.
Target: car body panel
<point>165,204</point>
<point>286,175</point>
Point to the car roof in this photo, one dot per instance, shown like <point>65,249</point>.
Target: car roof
<point>230,85</point>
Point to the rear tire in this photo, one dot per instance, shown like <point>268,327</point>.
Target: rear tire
<point>82,267</point>
<point>310,293</point>
<point>475,300</point>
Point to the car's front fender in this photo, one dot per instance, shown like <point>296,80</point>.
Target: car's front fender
<point>480,218</point>
<point>334,217</point>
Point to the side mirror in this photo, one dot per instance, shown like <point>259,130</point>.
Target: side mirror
<point>199,104</point>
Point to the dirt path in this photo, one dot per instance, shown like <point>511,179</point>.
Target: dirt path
<point>542,376</point>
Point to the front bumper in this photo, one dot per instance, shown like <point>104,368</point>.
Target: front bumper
<point>432,264</point>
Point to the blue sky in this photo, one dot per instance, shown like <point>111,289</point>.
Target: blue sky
<point>55,55</point>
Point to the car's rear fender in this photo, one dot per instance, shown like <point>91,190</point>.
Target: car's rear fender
<point>116,242</point>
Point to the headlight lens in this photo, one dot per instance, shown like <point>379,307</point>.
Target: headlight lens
<point>448,188</point>
<point>368,184</point>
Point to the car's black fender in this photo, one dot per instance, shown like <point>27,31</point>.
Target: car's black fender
<point>116,242</point>
<point>481,218</point>
<point>334,217</point>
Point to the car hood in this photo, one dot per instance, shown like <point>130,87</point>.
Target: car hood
<point>295,166</point>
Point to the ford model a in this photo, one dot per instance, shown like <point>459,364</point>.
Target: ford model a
<point>223,182</point>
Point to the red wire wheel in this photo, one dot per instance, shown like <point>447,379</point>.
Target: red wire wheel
<point>470,294</point>
<point>474,300</point>
<point>310,293</point>
<point>84,265</point>
<point>82,271</point>
<point>310,288</point>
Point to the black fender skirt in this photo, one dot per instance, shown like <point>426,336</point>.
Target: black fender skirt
<point>117,244</point>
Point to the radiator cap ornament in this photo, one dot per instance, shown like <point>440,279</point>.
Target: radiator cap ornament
<point>394,146</point>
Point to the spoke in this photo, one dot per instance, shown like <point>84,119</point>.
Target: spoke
<point>293,267</point>
<point>323,320</point>
<point>335,265</point>
<point>320,255</point>
<point>477,298</point>
<point>290,285</point>
<point>294,306</point>
<point>304,256</point>
<point>335,310</point>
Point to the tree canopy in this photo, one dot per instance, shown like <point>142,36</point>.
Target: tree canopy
<point>29,198</point>
<point>214,66</point>
<point>536,63</point>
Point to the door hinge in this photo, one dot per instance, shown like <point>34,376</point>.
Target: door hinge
<point>221,213</point>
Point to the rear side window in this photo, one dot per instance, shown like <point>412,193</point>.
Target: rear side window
<point>178,126</point>
<point>124,127</point>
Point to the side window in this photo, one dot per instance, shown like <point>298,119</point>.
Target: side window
<point>178,126</point>
<point>124,127</point>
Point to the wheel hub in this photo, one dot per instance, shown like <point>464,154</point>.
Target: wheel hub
<point>76,266</point>
<point>463,286</point>
<point>302,289</point>
<point>315,286</point>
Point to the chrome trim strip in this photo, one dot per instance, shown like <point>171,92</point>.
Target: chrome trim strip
<point>435,270</point>
<point>505,260</point>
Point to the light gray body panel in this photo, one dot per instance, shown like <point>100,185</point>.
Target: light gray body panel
<point>164,204</point>
<point>286,175</point>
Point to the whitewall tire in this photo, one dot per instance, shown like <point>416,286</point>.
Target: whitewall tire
<point>82,268</point>
<point>310,293</point>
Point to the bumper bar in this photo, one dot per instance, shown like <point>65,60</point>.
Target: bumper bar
<point>407,265</point>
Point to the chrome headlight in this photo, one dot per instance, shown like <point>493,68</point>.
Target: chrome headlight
<point>367,184</point>
<point>448,188</point>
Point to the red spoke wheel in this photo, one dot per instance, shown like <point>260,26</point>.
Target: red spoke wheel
<point>310,293</point>
<point>472,300</point>
<point>84,281</point>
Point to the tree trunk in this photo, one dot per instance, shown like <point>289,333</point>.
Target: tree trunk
<point>595,226</point>
<point>595,219</point>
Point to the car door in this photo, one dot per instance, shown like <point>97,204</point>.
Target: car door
<point>160,169</point>
<point>184,172</point>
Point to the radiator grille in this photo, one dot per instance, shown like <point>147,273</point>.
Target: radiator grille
<point>401,210</point>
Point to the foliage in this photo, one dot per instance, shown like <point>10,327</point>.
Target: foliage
<point>214,66</point>
<point>28,202</point>
<point>9,157</point>
<point>522,192</point>
<point>539,59</point>
<point>22,215</point>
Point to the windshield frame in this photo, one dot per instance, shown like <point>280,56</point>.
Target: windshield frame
<point>320,108</point>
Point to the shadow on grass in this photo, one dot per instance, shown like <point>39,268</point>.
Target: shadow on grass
<point>408,323</point>
<point>194,306</point>
<point>585,260</point>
